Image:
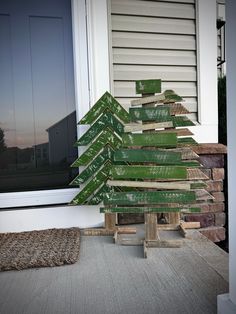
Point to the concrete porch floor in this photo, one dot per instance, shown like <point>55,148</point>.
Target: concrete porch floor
<point>110,278</point>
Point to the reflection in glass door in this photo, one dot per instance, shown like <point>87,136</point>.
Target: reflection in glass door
<point>37,106</point>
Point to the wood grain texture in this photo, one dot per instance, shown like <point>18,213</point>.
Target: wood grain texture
<point>158,114</point>
<point>149,209</point>
<point>106,138</point>
<point>150,139</point>
<point>106,102</point>
<point>147,100</point>
<point>179,132</point>
<point>149,172</point>
<point>148,126</point>
<point>149,197</point>
<point>106,120</point>
<point>148,86</point>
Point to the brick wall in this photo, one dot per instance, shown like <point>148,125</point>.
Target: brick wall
<point>212,217</point>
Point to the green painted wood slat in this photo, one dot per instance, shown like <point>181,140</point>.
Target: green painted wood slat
<point>140,210</point>
<point>105,102</point>
<point>158,114</point>
<point>149,197</point>
<point>105,156</point>
<point>98,197</point>
<point>92,186</point>
<point>106,120</point>
<point>149,172</point>
<point>148,86</point>
<point>107,137</point>
<point>150,139</point>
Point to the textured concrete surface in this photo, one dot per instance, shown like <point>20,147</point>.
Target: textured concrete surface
<point>110,278</point>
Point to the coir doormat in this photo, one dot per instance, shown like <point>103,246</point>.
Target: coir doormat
<point>44,248</point>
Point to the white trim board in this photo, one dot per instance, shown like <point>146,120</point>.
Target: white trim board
<point>50,217</point>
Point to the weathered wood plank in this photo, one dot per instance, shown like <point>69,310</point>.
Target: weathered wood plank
<point>186,141</point>
<point>107,137</point>
<point>97,232</point>
<point>98,197</point>
<point>148,86</point>
<point>177,108</point>
<point>105,102</point>
<point>106,120</point>
<point>203,195</point>
<point>171,96</point>
<point>209,148</point>
<point>150,139</point>
<point>105,156</point>
<point>92,186</point>
<point>159,114</point>
<point>152,185</point>
<point>110,221</point>
<point>142,155</point>
<point>149,197</point>
<point>164,243</point>
<point>187,153</point>
<point>179,121</point>
<point>150,226</point>
<point>147,100</point>
<point>190,224</point>
<point>149,172</point>
<point>196,174</point>
<point>179,132</point>
<point>149,126</point>
<point>149,209</point>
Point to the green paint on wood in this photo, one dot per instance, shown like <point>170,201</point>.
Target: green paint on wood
<point>150,139</point>
<point>158,114</point>
<point>105,102</point>
<point>198,185</point>
<point>186,141</point>
<point>106,120</point>
<point>143,198</point>
<point>105,156</point>
<point>140,210</point>
<point>171,96</point>
<point>106,137</point>
<point>181,121</point>
<point>98,197</point>
<point>148,86</point>
<point>149,172</point>
<point>92,186</point>
<point>141,155</point>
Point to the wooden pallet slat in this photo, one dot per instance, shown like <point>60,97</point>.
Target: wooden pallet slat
<point>105,102</point>
<point>179,132</point>
<point>171,96</point>
<point>196,174</point>
<point>92,186</point>
<point>98,197</point>
<point>148,86</point>
<point>186,141</point>
<point>142,155</point>
<point>134,127</point>
<point>151,185</point>
<point>105,156</point>
<point>177,108</point>
<point>181,121</point>
<point>106,138</point>
<point>149,197</point>
<point>106,120</point>
<point>158,114</point>
<point>150,139</point>
<point>147,100</point>
<point>149,172</point>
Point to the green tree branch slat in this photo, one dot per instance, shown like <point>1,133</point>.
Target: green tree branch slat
<point>186,141</point>
<point>148,86</point>
<point>179,121</point>
<point>106,120</point>
<point>145,198</point>
<point>150,139</point>
<point>142,155</point>
<point>98,197</point>
<point>105,156</point>
<point>106,137</point>
<point>105,102</point>
<point>140,210</point>
<point>92,186</point>
<point>158,114</point>
<point>149,172</point>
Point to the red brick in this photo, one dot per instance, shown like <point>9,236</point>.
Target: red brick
<point>206,220</point>
<point>218,173</point>
<point>214,186</point>
<point>215,234</point>
<point>220,219</point>
<point>218,196</point>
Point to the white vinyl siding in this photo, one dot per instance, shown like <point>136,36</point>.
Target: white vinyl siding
<point>154,39</point>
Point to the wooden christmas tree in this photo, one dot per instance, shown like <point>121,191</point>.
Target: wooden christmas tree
<point>161,173</point>
<point>107,118</point>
